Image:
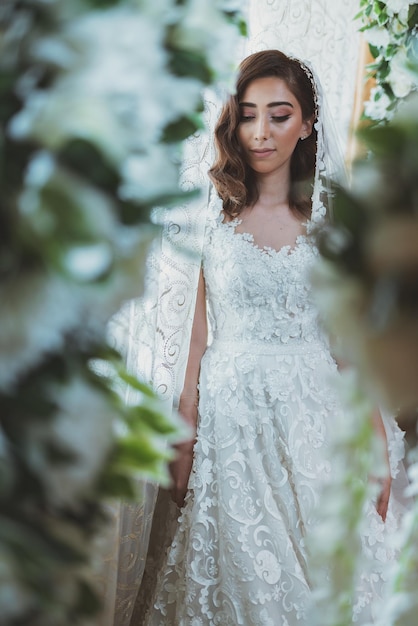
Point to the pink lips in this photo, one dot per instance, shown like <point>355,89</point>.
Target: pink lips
<point>262,152</point>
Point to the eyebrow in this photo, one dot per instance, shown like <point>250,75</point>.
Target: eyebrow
<point>270,105</point>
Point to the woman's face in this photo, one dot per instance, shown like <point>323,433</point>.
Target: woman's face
<point>271,125</point>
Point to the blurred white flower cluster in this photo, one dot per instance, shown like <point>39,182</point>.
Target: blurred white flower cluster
<point>96,99</point>
<point>115,88</point>
<point>366,288</point>
<point>390,28</point>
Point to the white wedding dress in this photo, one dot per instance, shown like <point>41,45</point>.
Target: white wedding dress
<point>266,408</point>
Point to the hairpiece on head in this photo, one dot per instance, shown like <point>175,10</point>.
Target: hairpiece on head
<point>309,73</point>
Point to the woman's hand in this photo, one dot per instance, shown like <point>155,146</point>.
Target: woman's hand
<point>385,483</point>
<point>181,466</point>
<point>383,498</point>
<point>180,470</point>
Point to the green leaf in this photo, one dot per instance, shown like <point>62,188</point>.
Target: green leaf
<point>14,163</point>
<point>351,217</point>
<point>383,18</point>
<point>27,399</point>
<point>138,450</point>
<point>379,6</point>
<point>86,160</point>
<point>383,140</point>
<point>9,101</point>
<point>135,213</point>
<point>133,381</point>
<point>243,27</point>
<point>359,14</point>
<point>190,63</point>
<point>88,601</point>
<point>413,16</point>
<point>374,51</point>
<point>32,541</point>
<point>153,418</point>
<point>368,10</point>
<point>58,454</point>
<point>173,199</point>
<point>182,128</point>
<point>103,4</point>
<point>115,483</point>
<point>236,18</point>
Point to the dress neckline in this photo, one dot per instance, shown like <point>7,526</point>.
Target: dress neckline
<point>286,249</point>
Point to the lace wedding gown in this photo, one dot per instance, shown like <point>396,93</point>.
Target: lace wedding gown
<point>265,413</point>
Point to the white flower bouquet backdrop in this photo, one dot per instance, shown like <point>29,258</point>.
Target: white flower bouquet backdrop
<point>96,98</point>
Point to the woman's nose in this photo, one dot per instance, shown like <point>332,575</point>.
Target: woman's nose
<point>262,129</point>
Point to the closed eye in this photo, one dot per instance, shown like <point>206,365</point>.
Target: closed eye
<point>280,118</point>
<point>275,118</point>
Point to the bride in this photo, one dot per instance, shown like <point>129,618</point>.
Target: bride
<point>259,397</point>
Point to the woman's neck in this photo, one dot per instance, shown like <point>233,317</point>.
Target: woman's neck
<point>273,190</point>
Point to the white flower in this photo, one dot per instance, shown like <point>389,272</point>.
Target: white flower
<point>107,96</point>
<point>126,280</point>
<point>164,11</point>
<point>398,6</point>
<point>40,169</point>
<point>201,19</point>
<point>88,262</point>
<point>400,77</point>
<point>412,489</point>
<point>83,425</point>
<point>398,27</point>
<point>97,218</point>
<point>203,27</point>
<point>376,107</point>
<point>35,311</point>
<point>377,36</point>
<point>369,181</point>
<point>178,95</point>
<point>141,92</point>
<point>150,174</point>
<point>56,51</point>
<point>222,56</point>
<point>230,5</point>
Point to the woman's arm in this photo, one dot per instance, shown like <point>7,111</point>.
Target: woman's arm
<point>180,468</point>
<point>385,483</point>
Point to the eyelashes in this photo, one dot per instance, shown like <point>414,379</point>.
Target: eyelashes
<point>280,118</point>
<point>275,118</point>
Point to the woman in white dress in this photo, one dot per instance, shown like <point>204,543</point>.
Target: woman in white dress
<point>259,396</point>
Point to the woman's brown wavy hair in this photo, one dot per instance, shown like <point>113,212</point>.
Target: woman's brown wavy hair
<point>233,178</point>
